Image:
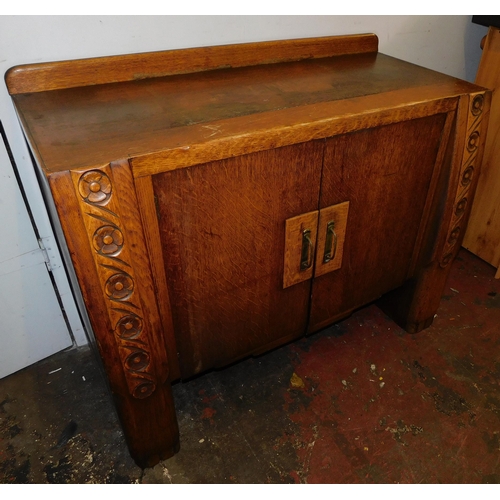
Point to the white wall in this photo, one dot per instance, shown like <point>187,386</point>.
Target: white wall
<point>449,44</point>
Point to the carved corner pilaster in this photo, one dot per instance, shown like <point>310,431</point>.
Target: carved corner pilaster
<point>119,255</point>
<point>469,170</point>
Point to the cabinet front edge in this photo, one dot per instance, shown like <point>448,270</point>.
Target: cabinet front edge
<point>242,140</point>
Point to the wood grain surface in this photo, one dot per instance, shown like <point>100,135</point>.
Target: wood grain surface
<point>295,244</point>
<point>223,234</point>
<point>147,209</point>
<point>483,231</point>
<point>337,215</point>
<point>100,70</point>
<point>172,122</point>
<point>174,175</point>
<point>414,304</point>
<point>385,174</point>
<point>137,415</point>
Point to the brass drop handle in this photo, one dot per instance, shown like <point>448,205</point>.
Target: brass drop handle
<point>306,256</point>
<point>331,242</point>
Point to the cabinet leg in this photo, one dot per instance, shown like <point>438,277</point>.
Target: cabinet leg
<point>104,233</point>
<point>150,426</point>
<point>414,305</point>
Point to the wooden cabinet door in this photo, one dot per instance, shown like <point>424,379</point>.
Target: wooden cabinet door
<point>222,230</point>
<point>384,173</point>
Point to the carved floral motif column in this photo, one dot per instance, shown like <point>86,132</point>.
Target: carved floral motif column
<point>100,211</point>
<point>471,159</point>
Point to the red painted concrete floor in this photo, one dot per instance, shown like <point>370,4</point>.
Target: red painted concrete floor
<point>360,402</point>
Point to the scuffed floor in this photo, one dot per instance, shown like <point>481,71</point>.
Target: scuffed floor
<point>360,402</point>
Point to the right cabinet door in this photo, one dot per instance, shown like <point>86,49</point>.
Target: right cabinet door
<point>384,174</point>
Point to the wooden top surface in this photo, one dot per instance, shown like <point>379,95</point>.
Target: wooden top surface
<point>93,125</point>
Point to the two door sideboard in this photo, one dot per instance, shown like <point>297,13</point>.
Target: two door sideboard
<point>219,202</point>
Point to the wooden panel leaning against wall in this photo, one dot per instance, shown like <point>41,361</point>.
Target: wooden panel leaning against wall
<point>230,199</point>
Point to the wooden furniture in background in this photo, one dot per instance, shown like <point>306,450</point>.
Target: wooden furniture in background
<point>483,231</point>
<point>219,202</point>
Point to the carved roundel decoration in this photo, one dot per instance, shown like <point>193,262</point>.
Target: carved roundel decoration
<point>95,187</point>
<point>446,259</point>
<point>467,175</point>
<point>108,240</point>
<point>452,239</point>
<point>129,327</point>
<point>119,286</point>
<point>137,361</point>
<point>473,141</point>
<point>477,105</point>
<point>460,208</point>
<point>144,390</point>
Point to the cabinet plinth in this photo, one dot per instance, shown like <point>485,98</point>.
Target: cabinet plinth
<point>232,199</point>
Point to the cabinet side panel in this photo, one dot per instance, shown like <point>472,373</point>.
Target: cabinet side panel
<point>222,227</point>
<point>385,174</point>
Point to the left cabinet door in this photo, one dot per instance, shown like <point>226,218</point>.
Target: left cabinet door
<point>222,230</point>
<point>33,326</point>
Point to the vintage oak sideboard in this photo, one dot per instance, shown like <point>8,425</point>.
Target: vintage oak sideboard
<point>219,202</point>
